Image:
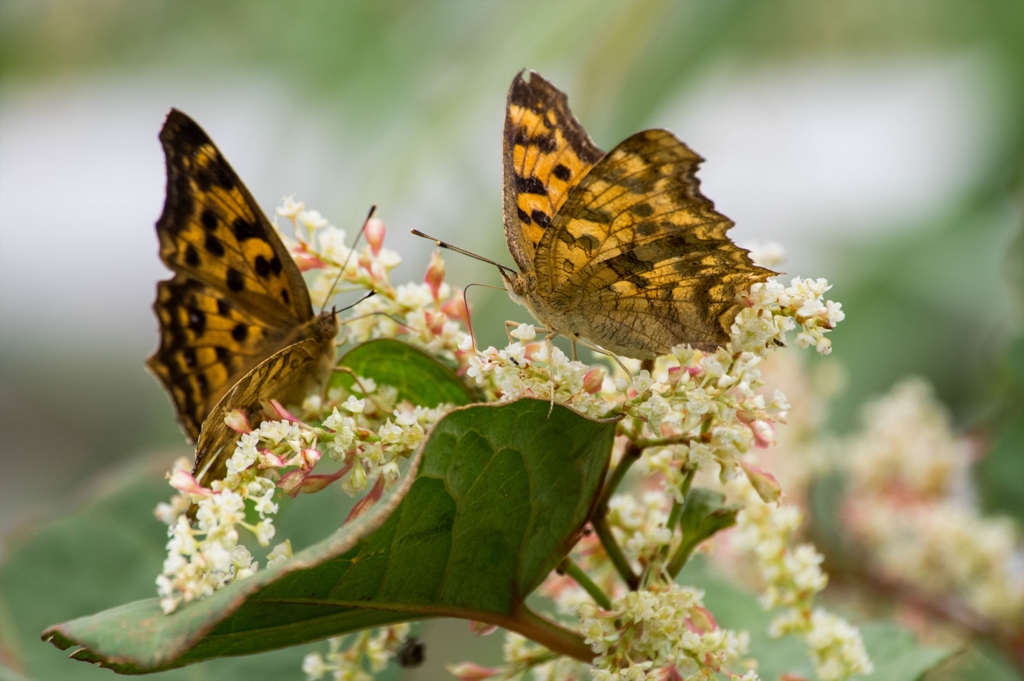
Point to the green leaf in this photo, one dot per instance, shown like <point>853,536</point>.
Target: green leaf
<point>417,376</point>
<point>109,552</point>
<point>895,653</point>
<point>494,501</point>
<point>704,513</point>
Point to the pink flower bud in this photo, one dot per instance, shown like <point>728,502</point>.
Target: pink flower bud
<point>309,262</point>
<point>435,321</point>
<point>764,433</point>
<point>593,380</point>
<point>237,421</point>
<point>470,671</point>
<point>186,484</point>
<point>270,460</point>
<point>481,628</point>
<point>674,375</point>
<point>374,232</point>
<point>670,673</point>
<point>435,274</point>
<point>701,621</point>
<point>276,411</point>
<point>309,458</point>
<point>291,482</point>
<point>367,502</point>
<point>763,482</point>
<point>456,308</point>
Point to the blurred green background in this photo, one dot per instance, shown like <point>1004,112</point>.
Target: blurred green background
<point>881,143</point>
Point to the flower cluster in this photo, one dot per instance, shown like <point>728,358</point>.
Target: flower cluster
<point>529,369</point>
<point>658,629</point>
<point>364,429</point>
<point>692,411</point>
<point>703,408</point>
<point>909,506</point>
<point>367,434</point>
<point>371,650</point>
<point>431,315</point>
<point>792,577</point>
<point>522,657</point>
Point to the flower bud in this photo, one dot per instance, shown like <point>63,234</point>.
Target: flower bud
<point>469,671</point>
<point>186,484</point>
<point>593,380</point>
<point>277,412</point>
<point>237,421</point>
<point>435,321</point>
<point>456,308</point>
<point>435,274</point>
<point>764,433</point>
<point>763,482</point>
<point>701,620</point>
<point>374,232</point>
<point>367,502</point>
<point>291,482</point>
<point>308,262</point>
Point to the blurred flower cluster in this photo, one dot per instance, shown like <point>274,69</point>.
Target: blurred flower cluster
<point>368,654</point>
<point>911,507</point>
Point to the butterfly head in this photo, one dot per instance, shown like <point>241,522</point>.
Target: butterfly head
<point>519,285</point>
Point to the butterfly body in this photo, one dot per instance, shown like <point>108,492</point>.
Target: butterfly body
<point>618,249</point>
<point>237,326</point>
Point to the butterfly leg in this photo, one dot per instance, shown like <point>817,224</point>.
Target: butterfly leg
<point>551,367</point>
<point>601,351</point>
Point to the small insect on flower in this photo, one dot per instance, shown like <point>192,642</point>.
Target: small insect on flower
<point>411,653</point>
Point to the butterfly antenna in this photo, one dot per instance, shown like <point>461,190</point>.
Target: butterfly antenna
<point>341,272</point>
<point>335,311</point>
<point>450,247</point>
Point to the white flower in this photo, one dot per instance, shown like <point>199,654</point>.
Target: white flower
<point>280,554</point>
<point>354,405</point>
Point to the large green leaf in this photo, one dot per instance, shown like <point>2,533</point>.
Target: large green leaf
<point>417,376</point>
<point>109,552</point>
<point>493,502</point>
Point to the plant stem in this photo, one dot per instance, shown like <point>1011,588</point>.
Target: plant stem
<point>551,635</point>
<point>679,560</point>
<point>629,457</point>
<point>569,567</point>
<point>611,547</point>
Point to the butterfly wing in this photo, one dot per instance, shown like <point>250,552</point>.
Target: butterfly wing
<point>284,375</point>
<point>236,296</point>
<point>546,153</point>
<point>641,254</point>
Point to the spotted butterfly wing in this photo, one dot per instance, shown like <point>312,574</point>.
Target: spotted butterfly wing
<point>631,257</point>
<point>236,297</point>
<point>546,153</point>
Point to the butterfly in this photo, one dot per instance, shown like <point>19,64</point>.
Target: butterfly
<point>621,249</point>
<point>236,323</point>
